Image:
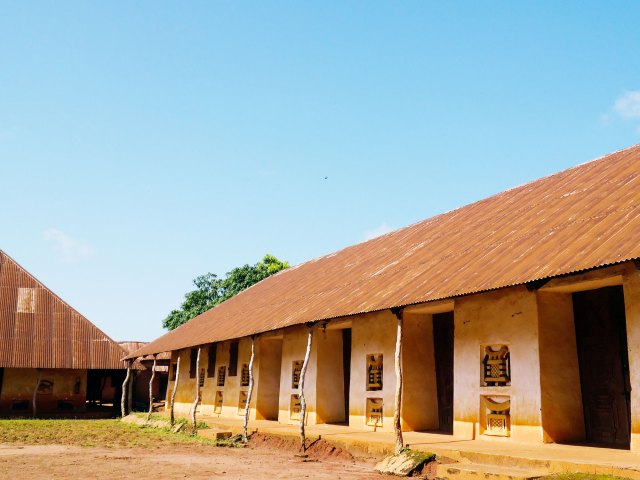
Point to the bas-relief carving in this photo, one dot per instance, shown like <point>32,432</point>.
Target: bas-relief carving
<point>374,412</point>
<point>374,372</point>
<point>496,366</point>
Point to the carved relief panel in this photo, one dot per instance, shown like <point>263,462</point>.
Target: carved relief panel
<point>497,415</point>
<point>244,375</point>
<point>294,407</point>
<point>218,403</point>
<point>222,374</point>
<point>242,402</point>
<point>374,412</point>
<point>496,366</point>
<point>295,374</point>
<point>374,372</point>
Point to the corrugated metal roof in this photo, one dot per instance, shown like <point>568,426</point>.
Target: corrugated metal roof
<point>131,347</point>
<point>580,218</point>
<point>39,330</point>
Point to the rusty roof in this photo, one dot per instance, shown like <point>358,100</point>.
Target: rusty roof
<point>580,218</point>
<point>132,346</point>
<point>40,330</point>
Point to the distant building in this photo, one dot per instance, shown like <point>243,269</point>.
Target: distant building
<point>520,312</point>
<point>141,378</point>
<point>50,355</point>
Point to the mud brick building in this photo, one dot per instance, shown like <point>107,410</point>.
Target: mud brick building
<point>50,355</point>
<point>521,317</point>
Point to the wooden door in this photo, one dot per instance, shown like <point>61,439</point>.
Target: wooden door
<point>443,343</point>
<point>601,336</point>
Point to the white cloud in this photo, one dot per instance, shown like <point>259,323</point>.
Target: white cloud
<point>628,105</point>
<point>69,249</point>
<point>376,232</point>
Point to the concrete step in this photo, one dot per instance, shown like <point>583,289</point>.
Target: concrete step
<point>214,433</point>
<point>478,471</point>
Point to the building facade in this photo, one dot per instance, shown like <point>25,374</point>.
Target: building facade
<point>52,359</point>
<point>520,314</point>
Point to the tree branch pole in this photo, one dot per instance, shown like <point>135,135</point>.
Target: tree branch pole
<point>197,399</point>
<point>134,375</point>
<point>175,388</point>
<point>125,385</point>
<point>153,375</point>
<point>397,418</point>
<point>245,437</point>
<point>303,402</point>
<point>35,392</point>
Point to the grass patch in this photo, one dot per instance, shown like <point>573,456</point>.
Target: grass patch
<point>419,457</point>
<point>157,416</point>
<point>91,433</point>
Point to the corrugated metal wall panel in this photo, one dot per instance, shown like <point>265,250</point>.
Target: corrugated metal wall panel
<point>46,332</point>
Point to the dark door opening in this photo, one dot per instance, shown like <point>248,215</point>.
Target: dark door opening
<point>601,337</point>
<point>346,370</point>
<point>443,343</point>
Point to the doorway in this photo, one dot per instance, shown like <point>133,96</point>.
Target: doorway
<point>268,386</point>
<point>333,372</point>
<point>601,338</point>
<point>346,369</point>
<point>443,343</point>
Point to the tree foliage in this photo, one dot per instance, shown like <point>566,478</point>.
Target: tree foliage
<point>212,290</point>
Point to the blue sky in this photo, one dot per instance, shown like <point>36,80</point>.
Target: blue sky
<point>144,143</point>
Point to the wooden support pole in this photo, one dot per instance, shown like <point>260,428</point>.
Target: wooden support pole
<point>175,388</point>
<point>397,417</point>
<point>35,393</point>
<point>153,375</point>
<point>197,399</point>
<point>134,375</point>
<point>245,437</point>
<point>125,388</point>
<point>303,402</point>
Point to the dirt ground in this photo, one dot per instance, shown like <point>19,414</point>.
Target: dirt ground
<point>265,457</point>
<point>67,462</point>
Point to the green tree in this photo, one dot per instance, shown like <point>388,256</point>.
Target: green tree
<point>211,290</point>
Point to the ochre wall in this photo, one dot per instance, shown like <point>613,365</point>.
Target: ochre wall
<point>562,415</point>
<point>537,326</point>
<point>186,392</point>
<point>267,391</point>
<point>373,333</point>
<point>294,346</point>
<point>18,385</point>
<point>419,393</point>
<point>509,317</point>
<point>330,378</point>
<point>631,285</point>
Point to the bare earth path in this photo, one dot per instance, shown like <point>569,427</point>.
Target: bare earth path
<point>65,462</point>
<point>166,459</point>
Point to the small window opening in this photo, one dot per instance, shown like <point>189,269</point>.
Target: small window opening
<point>193,360</point>
<point>211,360</point>
<point>233,359</point>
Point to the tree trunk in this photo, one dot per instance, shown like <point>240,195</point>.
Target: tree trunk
<point>197,399</point>
<point>134,375</point>
<point>245,437</point>
<point>303,402</point>
<point>175,388</point>
<point>153,375</point>
<point>397,425</point>
<point>125,385</point>
<point>35,393</point>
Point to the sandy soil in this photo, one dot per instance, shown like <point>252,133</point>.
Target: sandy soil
<point>264,458</point>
